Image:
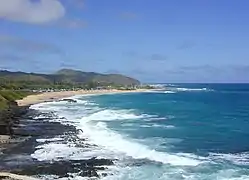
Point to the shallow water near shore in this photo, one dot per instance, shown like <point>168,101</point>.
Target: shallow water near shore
<point>194,132</point>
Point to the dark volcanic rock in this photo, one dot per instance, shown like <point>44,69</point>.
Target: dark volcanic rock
<point>89,173</point>
<point>9,116</point>
<point>85,168</point>
<point>36,125</point>
<point>69,100</point>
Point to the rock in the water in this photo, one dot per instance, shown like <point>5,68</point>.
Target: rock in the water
<point>89,173</point>
<point>69,100</point>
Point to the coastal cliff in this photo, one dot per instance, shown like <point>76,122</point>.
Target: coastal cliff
<point>10,111</point>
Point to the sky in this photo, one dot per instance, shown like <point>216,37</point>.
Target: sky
<point>151,40</point>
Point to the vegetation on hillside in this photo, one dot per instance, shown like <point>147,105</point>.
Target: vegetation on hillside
<point>16,85</point>
<point>8,97</point>
<point>9,109</point>
<point>63,79</point>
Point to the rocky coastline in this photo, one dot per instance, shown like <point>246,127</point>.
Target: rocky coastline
<point>10,116</point>
<point>23,128</point>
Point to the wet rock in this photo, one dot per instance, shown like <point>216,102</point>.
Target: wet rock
<point>99,162</point>
<point>85,168</point>
<point>104,174</point>
<point>9,116</point>
<point>69,100</point>
<point>89,173</point>
<point>18,159</point>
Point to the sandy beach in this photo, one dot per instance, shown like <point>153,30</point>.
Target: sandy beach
<point>51,96</point>
<point>11,176</point>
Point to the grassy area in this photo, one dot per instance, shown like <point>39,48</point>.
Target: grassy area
<point>7,96</point>
<point>3,103</point>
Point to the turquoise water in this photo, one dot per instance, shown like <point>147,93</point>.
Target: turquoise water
<point>187,131</point>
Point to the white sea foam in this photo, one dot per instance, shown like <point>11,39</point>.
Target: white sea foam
<point>145,126</point>
<point>99,134</point>
<point>159,118</point>
<point>49,140</point>
<point>161,92</point>
<point>49,106</point>
<point>53,151</point>
<point>113,115</point>
<point>40,117</point>
<point>157,126</point>
<point>169,92</point>
<point>192,89</point>
<point>69,151</point>
<point>111,144</point>
<point>163,126</point>
<point>72,177</point>
<point>173,85</point>
<point>158,85</point>
<point>84,102</point>
<point>175,173</point>
<point>229,174</point>
<point>172,90</point>
<point>238,158</point>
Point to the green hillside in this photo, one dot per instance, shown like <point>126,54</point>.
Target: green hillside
<point>7,97</point>
<point>60,79</point>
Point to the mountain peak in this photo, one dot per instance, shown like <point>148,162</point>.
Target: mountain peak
<point>70,76</point>
<point>68,71</point>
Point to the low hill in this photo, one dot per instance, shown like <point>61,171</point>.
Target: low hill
<point>67,76</point>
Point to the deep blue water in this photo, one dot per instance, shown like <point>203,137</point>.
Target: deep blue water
<point>206,120</point>
<point>186,131</point>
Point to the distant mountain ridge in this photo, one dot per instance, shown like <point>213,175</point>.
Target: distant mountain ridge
<point>69,76</point>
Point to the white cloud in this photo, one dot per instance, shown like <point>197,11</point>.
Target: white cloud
<point>31,11</point>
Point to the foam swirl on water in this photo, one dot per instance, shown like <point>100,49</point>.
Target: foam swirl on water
<point>97,122</point>
<point>101,135</point>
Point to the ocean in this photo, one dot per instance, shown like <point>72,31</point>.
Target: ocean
<point>185,131</point>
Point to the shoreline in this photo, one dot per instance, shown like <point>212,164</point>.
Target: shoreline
<point>7,175</point>
<point>37,125</point>
<point>53,96</point>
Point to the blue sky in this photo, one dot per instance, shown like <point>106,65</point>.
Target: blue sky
<point>152,40</point>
